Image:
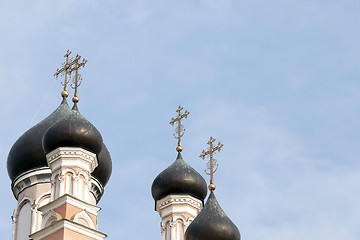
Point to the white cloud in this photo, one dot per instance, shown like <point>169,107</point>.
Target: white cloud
<point>267,182</point>
<point>232,64</point>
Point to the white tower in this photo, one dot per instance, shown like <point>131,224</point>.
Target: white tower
<point>71,211</point>
<point>178,191</point>
<point>58,170</point>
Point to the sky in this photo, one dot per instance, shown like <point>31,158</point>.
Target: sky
<point>277,82</point>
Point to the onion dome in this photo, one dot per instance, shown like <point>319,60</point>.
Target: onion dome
<point>212,224</point>
<point>179,178</point>
<point>73,130</point>
<point>27,152</point>
<point>103,171</point>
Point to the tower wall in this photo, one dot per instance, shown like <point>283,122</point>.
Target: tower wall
<point>32,189</point>
<point>177,212</point>
<point>71,212</point>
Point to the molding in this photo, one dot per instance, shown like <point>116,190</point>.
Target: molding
<point>66,198</point>
<point>97,189</point>
<point>84,215</point>
<point>42,196</point>
<point>50,215</point>
<point>174,210</point>
<point>30,178</point>
<point>64,223</point>
<point>172,200</point>
<point>18,207</point>
<point>78,156</point>
<point>68,170</point>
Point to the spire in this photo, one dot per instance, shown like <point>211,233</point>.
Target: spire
<point>179,130</point>
<point>212,162</point>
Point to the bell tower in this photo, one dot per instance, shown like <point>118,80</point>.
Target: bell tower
<point>59,169</point>
<point>71,212</point>
<point>178,191</point>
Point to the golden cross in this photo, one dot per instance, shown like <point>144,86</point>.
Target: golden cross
<point>180,130</point>
<point>65,70</point>
<point>212,162</point>
<point>77,80</point>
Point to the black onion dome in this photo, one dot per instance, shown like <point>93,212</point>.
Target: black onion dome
<point>73,130</point>
<point>179,178</point>
<point>212,223</point>
<point>27,152</point>
<point>103,171</point>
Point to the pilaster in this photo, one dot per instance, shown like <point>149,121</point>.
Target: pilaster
<point>72,211</point>
<point>71,172</point>
<point>177,212</point>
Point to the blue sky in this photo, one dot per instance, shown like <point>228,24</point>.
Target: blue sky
<point>277,82</point>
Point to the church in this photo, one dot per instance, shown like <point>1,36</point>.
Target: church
<point>59,169</point>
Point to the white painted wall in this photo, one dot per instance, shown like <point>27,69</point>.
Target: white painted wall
<point>24,222</point>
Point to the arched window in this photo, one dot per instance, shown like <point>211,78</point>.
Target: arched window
<point>41,201</point>
<point>24,222</point>
<point>85,219</point>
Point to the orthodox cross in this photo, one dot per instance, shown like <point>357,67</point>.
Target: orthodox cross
<point>77,80</point>
<point>212,162</point>
<point>179,130</point>
<point>65,70</point>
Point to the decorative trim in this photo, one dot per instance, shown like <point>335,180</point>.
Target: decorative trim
<point>84,215</point>
<point>21,203</point>
<point>66,198</point>
<point>178,200</point>
<point>172,224</point>
<point>97,189</point>
<point>47,220</point>
<point>42,197</point>
<point>83,156</point>
<point>30,178</point>
<point>176,212</point>
<point>64,223</point>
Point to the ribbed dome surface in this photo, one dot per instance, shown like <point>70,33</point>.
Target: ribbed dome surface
<point>103,171</point>
<point>27,152</point>
<point>212,224</point>
<point>73,130</point>
<point>179,178</point>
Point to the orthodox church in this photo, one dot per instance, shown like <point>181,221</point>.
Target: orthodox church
<point>59,169</point>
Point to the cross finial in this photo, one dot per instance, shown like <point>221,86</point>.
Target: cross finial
<point>77,80</point>
<point>179,130</point>
<point>212,162</point>
<point>67,68</point>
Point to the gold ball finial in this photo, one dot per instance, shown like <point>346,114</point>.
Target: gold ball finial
<point>212,187</point>
<point>75,99</point>
<point>179,148</point>
<point>64,94</point>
